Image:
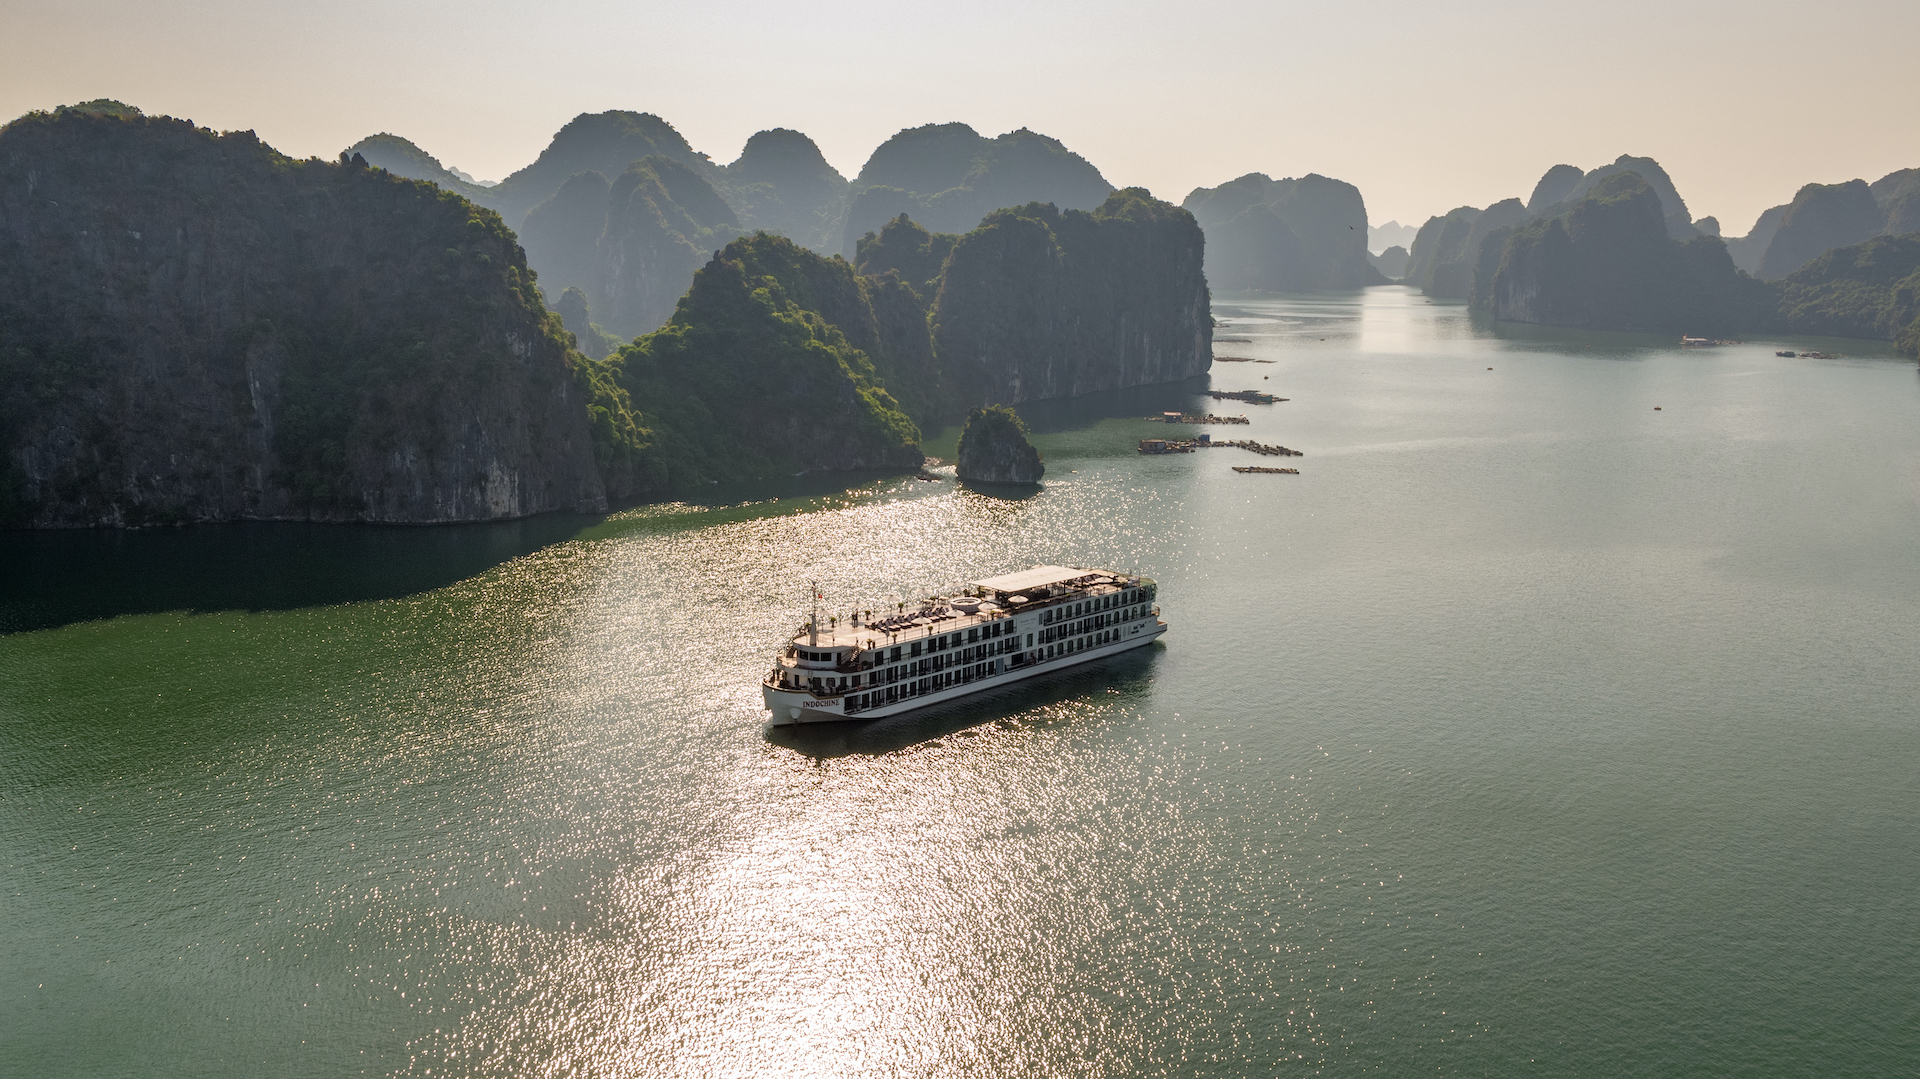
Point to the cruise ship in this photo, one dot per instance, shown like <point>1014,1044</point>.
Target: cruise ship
<point>990,633</point>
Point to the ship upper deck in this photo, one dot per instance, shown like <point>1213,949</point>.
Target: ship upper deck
<point>987,600</point>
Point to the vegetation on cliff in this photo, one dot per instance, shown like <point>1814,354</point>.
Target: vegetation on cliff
<point>994,448</point>
<point>589,338</point>
<point>903,247</point>
<point>948,177</point>
<point>1869,289</point>
<point>194,327</point>
<point>1034,303</point>
<point>744,381</point>
<point>1284,235</point>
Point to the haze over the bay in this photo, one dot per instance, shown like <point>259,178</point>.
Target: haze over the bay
<point>1423,106</point>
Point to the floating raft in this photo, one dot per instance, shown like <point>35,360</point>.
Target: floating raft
<point>1240,359</point>
<point>1188,417</point>
<point>1265,451</point>
<point>1253,396</point>
<point>1267,471</point>
<point>1181,445</point>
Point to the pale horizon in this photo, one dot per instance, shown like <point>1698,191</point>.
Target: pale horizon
<point>1423,109</point>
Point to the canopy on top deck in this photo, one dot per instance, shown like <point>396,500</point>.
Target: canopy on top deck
<point>1037,577</point>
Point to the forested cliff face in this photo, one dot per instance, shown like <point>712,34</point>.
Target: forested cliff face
<point>194,327</point>
<point>663,222</point>
<point>1869,289</point>
<point>746,381</point>
<point>1039,302</point>
<point>1284,235</point>
<point>776,348</point>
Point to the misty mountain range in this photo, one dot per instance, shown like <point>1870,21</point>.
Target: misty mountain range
<point>619,210</point>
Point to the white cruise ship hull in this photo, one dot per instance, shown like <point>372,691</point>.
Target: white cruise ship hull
<point>790,707</point>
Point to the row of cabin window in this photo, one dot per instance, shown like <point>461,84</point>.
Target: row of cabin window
<point>943,642</point>
<point>894,674</point>
<point>1127,615</point>
<point>1099,603</point>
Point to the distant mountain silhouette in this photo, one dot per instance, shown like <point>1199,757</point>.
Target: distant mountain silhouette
<point>1556,185</point>
<point>403,158</point>
<point>1825,216</point>
<point>1821,217</point>
<point>1391,234</point>
<point>1284,235</point>
<point>948,177</point>
<point>1392,263</point>
<point>782,184</point>
<point>602,142</point>
<point>631,245</point>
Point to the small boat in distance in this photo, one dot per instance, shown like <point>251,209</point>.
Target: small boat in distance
<point>990,633</point>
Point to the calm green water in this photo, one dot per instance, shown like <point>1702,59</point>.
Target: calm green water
<point>1528,731</point>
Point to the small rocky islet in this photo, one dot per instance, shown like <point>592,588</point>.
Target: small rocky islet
<point>994,449</point>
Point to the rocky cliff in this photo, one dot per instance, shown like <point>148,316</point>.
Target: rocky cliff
<point>1674,215</point>
<point>948,176</point>
<point>1284,235</point>
<point>1448,250</point>
<point>994,449</point>
<point>1821,217</point>
<point>1825,216</point>
<point>1609,264</point>
<point>194,327</point>
<point>1038,302</point>
<point>1898,196</point>
<point>1554,187</point>
<point>905,248</point>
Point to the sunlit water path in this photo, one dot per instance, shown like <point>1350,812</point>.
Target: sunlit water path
<point>1527,731</point>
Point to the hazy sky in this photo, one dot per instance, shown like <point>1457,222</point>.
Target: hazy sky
<point>1425,106</point>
